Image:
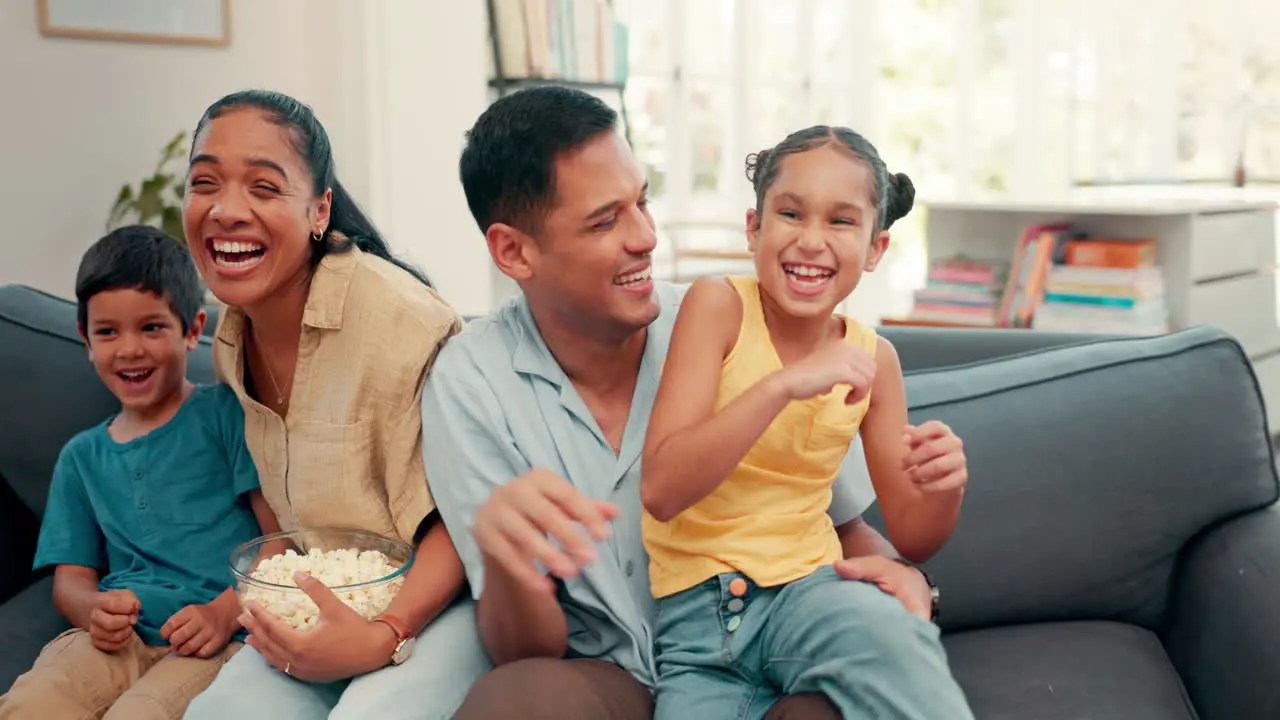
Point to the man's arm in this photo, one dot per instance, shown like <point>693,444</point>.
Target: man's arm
<point>858,539</point>
<point>468,455</point>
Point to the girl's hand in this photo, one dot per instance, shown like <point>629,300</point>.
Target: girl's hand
<point>835,362</point>
<point>341,645</point>
<point>935,459</point>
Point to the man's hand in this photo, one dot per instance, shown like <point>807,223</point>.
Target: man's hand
<point>904,583</point>
<point>112,618</point>
<point>202,630</point>
<point>521,520</point>
<point>935,457</point>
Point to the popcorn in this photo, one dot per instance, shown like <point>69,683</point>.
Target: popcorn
<point>331,567</point>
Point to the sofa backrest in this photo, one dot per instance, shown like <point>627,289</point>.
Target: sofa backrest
<point>1091,466</point>
<point>48,389</point>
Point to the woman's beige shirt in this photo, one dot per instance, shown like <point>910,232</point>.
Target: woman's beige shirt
<point>349,452</point>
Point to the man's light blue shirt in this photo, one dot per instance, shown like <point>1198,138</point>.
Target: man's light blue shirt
<point>496,404</point>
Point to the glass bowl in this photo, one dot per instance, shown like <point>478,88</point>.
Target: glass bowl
<point>365,570</point>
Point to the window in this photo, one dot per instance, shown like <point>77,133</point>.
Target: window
<point>1026,98</point>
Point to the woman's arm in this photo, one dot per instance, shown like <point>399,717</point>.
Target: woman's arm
<point>690,449</point>
<point>434,580</point>
<point>918,521</point>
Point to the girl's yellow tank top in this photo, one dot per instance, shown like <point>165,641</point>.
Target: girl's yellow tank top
<point>768,520</point>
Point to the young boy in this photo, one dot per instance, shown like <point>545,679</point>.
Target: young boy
<point>144,509</point>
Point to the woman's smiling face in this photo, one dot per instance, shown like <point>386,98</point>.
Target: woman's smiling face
<point>250,210</point>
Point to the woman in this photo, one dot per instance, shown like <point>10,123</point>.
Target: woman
<point>326,340</point>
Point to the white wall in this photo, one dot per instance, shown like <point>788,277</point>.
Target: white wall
<point>394,82</point>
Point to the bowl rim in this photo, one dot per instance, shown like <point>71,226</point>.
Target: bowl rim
<point>263,539</point>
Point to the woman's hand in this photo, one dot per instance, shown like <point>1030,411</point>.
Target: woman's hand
<point>341,645</point>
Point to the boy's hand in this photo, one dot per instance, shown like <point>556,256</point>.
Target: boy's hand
<point>835,362</point>
<point>200,630</point>
<point>112,619</point>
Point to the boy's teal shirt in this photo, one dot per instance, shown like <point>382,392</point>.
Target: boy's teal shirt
<point>158,515</point>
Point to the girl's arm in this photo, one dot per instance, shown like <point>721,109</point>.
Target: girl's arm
<point>689,448</point>
<point>919,522</point>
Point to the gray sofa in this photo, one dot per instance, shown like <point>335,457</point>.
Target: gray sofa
<point>1117,556</point>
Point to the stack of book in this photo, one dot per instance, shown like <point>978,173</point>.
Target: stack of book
<point>1105,286</point>
<point>960,291</point>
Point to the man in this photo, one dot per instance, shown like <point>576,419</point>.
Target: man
<point>535,418</point>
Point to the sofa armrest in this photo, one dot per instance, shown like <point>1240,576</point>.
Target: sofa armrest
<point>19,530</point>
<point>1223,631</point>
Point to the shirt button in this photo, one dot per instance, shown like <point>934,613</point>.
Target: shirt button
<point>137,475</point>
<point>631,568</point>
<point>735,605</point>
<point>142,504</point>
<point>734,622</point>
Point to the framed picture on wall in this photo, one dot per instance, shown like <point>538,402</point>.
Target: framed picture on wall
<point>183,22</point>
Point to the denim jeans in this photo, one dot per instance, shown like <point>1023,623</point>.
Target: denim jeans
<point>722,655</point>
<point>447,659</point>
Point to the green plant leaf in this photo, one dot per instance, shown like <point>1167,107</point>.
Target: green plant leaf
<point>122,205</point>
<point>172,222</point>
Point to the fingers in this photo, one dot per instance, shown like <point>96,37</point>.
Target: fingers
<point>929,429</point>
<point>120,602</point>
<point>922,451</point>
<point>185,632</point>
<point>197,642</point>
<point>108,646</point>
<point>211,647</point>
<point>577,506</point>
<point>109,621</point>
<point>110,640</point>
<point>268,650</point>
<point>951,481</point>
<point>178,619</point>
<point>271,628</point>
<point>516,540</point>
<point>905,584</point>
<point>514,562</point>
<point>261,637</point>
<point>325,600</point>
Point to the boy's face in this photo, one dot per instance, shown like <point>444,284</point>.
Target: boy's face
<point>137,346</point>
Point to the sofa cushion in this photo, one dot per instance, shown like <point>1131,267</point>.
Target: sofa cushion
<point>1090,467</point>
<point>1067,671</point>
<point>27,622</point>
<point>49,390</point>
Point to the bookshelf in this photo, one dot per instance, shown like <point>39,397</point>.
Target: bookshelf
<point>1218,257</point>
<point>573,43</point>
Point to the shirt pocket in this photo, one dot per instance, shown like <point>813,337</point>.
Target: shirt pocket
<point>196,502</point>
<point>833,429</point>
<point>333,476</point>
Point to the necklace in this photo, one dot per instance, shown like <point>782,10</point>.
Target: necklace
<point>267,366</point>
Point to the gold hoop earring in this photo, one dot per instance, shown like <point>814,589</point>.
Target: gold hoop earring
<point>316,237</point>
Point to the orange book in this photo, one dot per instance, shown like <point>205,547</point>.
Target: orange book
<point>1112,253</point>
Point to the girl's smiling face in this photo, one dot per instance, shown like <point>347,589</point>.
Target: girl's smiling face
<point>816,231</point>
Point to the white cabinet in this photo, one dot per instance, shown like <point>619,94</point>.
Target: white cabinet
<point>1218,257</point>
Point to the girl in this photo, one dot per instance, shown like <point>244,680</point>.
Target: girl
<point>763,391</point>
